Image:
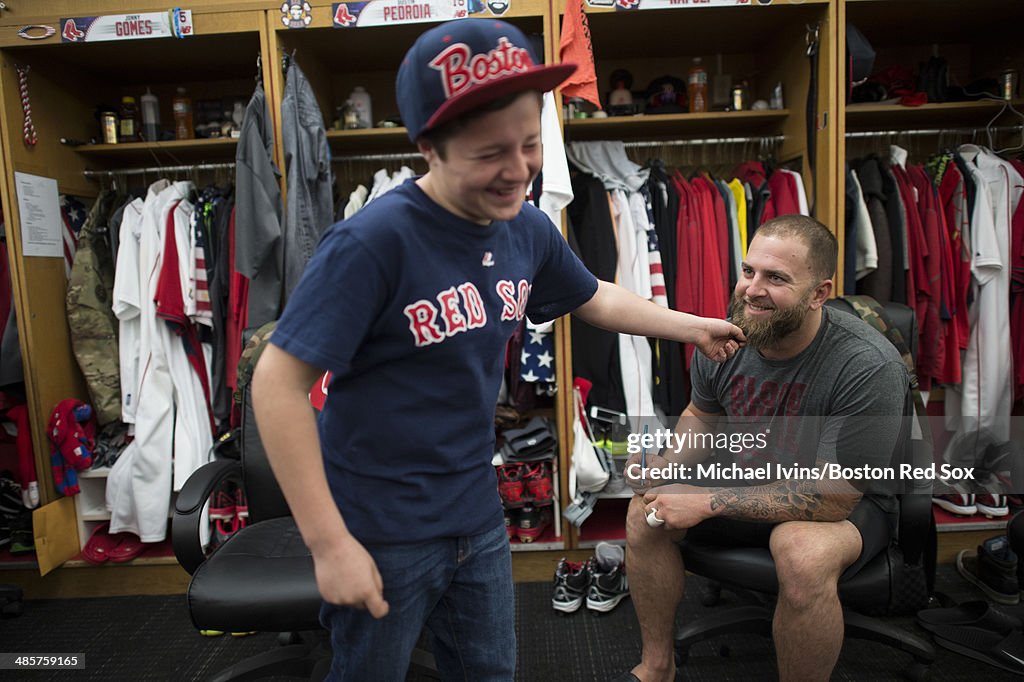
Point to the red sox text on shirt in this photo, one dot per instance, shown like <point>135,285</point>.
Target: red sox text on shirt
<point>424,323</point>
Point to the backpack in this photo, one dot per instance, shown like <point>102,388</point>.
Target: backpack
<point>913,577</point>
<point>250,356</point>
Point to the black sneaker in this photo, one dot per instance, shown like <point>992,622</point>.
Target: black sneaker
<point>571,582</point>
<point>608,582</point>
<point>993,569</point>
<point>1015,534</point>
<point>11,502</point>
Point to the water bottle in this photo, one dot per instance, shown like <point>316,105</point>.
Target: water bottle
<point>150,116</point>
<point>183,116</point>
<point>364,110</point>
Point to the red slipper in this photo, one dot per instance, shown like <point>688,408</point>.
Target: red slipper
<point>101,542</point>
<point>129,547</point>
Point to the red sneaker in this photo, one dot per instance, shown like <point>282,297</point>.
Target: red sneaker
<point>241,507</point>
<point>510,486</point>
<point>532,522</point>
<point>511,526</point>
<point>991,505</point>
<point>222,502</point>
<point>539,483</point>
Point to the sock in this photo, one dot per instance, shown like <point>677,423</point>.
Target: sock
<point>70,437</point>
<point>75,450</point>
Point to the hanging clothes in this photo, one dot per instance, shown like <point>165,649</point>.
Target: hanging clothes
<point>878,283</point>
<point>591,234</point>
<point>307,164</point>
<point>91,319</point>
<point>173,431</point>
<point>127,305</point>
<point>259,253</point>
<point>984,401</point>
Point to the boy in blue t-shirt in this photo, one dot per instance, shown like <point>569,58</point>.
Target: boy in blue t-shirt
<point>410,304</point>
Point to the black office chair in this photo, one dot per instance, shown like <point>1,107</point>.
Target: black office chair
<point>875,588</point>
<point>262,577</point>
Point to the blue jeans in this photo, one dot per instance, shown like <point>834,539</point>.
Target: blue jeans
<point>460,588</point>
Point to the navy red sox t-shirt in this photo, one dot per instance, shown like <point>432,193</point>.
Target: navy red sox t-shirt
<point>410,307</point>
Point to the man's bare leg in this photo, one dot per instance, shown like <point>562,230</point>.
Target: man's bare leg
<point>808,625</point>
<point>656,577</point>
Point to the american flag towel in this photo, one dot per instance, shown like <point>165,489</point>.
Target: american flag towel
<point>73,213</point>
<point>537,364</point>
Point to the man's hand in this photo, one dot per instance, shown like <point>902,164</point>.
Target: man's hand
<point>680,506</point>
<point>347,575</point>
<point>719,340</point>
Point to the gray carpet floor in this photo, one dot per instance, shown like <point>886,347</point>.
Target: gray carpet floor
<point>151,638</point>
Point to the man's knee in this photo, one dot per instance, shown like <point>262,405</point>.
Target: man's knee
<point>640,534</point>
<point>810,557</point>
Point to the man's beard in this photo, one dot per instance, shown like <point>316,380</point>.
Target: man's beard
<point>768,332</point>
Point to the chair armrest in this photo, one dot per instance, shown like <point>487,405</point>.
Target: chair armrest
<point>188,510</point>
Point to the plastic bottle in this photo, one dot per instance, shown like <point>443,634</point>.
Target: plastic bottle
<point>364,108</point>
<point>697,87</point>
<point>128,120</point>
<point>349,116</point>
<point>150,116</point>
<point>183,116</point>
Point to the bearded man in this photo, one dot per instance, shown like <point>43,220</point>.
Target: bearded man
<point>820,387</point>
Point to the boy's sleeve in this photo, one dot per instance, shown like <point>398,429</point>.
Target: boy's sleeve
<point>562,282</point>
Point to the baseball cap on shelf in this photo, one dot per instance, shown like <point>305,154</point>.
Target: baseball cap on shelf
<point>463,64</point>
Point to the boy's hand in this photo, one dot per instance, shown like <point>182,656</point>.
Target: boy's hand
<point>719,340</point>
<point>347,575</point>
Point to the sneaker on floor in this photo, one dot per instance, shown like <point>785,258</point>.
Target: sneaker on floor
<point>992,505</point>
<point>572,579</point>
<point>608,582</point>
<point>956,504</point>
<point>992,569</point>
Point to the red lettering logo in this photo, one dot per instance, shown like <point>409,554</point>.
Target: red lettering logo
<point>461,69</point>
<point>514,306</point>
<point>507,293</point>
<point>453,318</point>
<point>474,305</point>
<point>423,323</point>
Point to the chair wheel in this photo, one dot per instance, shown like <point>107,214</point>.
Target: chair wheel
<point>919,672</point>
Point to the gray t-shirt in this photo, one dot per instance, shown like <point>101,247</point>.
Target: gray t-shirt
<point>841,400</point>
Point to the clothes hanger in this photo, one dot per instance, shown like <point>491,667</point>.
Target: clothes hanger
<point>990,133</point>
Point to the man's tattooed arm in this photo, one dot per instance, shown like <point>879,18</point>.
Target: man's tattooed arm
<point>788,500</point>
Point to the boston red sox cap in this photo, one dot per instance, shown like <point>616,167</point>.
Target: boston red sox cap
<point>460,65</point>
